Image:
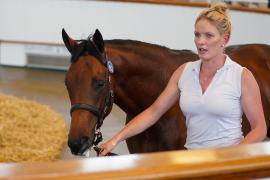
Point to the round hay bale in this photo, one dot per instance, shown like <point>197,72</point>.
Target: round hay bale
<point>29,131</point>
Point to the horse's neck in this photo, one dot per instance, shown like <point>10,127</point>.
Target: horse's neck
<point>141,73</point>
<point>135,81</point>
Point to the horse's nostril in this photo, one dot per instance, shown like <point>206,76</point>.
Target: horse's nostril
<point>77,147</point>
<point>72,144</point>
<point>84,140</point>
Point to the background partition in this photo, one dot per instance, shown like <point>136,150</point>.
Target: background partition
<point>39,23</point>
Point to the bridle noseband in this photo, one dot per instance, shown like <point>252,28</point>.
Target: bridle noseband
<point>100,113</point>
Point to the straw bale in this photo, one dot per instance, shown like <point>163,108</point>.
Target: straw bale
<point>29,131</point>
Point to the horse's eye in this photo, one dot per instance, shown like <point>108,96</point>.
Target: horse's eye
<point>98,84</point>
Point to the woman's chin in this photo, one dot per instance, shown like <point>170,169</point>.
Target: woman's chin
<point>203,56</point>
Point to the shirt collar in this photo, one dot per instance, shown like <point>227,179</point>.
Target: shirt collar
<point>227,64</point>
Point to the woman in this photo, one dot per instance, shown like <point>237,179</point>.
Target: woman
<point>214,91</point>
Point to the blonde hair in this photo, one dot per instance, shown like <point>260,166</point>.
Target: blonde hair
<point>218,15</point>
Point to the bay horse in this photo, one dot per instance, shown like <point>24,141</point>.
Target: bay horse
<point>132,74</point>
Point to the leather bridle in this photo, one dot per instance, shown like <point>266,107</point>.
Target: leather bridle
<point>100,113</point>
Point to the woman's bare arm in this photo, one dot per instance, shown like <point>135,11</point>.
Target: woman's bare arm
<point>252,106</point>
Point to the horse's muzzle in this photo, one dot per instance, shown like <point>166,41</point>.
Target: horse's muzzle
<point>78,147</point>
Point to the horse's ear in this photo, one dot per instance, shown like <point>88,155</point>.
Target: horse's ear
<point>69,42</point>
<point>98,40</point>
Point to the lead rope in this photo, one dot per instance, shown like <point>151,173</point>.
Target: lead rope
<point>99,150</point>
<point>98,137</point>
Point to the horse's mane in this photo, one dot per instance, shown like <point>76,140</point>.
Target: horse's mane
<point>136,43</point>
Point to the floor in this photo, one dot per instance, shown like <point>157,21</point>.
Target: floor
<point>47,87</point>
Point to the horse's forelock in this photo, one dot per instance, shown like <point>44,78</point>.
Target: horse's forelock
<point>85,47</point>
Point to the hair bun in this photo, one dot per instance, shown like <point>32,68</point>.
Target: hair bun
<point>217,13</point>
<point>220,7</point>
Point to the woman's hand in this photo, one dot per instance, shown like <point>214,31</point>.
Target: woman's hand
<point>106,147</point>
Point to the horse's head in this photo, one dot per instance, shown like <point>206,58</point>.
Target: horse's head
<point>88,85</point>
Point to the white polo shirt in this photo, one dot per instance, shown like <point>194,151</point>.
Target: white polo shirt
<point>213,119</point>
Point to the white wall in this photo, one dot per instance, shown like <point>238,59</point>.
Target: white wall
<point>12,54</point>
<point>171,26</point>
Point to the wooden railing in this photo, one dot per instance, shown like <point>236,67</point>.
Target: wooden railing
<point>239,162</point>
<point>196,4</point>
<point>31,42</point>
